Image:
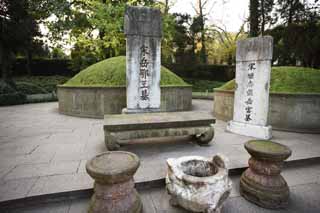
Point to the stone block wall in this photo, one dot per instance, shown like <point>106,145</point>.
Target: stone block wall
<point>95,102</point>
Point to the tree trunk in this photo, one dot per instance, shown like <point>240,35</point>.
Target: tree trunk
<point>263,21</point>
<point>4,60</point>
<point>254,18</point>
<point>203,55</point>
<point>166,7</point>
<point>28,59</point>
<point>290,12</point>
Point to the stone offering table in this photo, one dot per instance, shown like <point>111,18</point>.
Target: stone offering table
<point>262,183</point>
<point>120,129</point>
<point>114,185</point>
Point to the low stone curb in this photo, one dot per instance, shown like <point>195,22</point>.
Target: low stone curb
<point>86,193</point>
<point>202,95</point>
<point>39,98</point>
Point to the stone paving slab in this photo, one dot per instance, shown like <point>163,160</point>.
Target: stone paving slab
<point>304,197</point>
<point>42,151</point>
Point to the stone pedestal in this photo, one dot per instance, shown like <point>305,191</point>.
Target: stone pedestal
<point>114,190</point>
<point>251,102</point>
<point>142,27</point>
<point>262,183</point>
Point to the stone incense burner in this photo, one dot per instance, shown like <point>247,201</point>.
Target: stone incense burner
<point>197,183</point>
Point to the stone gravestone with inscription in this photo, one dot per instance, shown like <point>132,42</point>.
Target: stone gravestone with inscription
<point>143,32</point>
<point>251,102</point>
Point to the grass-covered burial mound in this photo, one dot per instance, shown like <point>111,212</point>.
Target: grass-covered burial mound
<point>289,80</point>
<point>112,72</point>
<point>101,89</point>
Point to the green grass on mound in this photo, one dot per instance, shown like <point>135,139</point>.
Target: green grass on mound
<point>112,72</point>
<point>289,80</point>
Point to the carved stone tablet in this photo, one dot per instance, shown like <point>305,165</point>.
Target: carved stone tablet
<point>143,33</point>
<point>251,103</point>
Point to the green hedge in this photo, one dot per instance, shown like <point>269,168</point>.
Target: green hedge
<point>203,72</point>
<point>47,83</point>
<point>29,88</point>
<point>203,85</point>
<point>12,98</point>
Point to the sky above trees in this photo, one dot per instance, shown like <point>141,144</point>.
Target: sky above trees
<point>229,14</point>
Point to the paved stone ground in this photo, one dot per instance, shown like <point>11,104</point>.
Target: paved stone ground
<point>44,152</point>
<point>304,183</point>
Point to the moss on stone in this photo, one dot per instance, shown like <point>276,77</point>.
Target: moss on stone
<point>267,146</point>
<point>289,80</point>
<point>112,72</point>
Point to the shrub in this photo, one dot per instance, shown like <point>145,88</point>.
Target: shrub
<point>203,85</point>
<point>29,88</point>
<point>12,98</point>
<point>47,83</point>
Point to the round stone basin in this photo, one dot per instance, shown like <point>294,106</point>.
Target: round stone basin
<point>113,167</point>
<point>197,183</point>
<point>199,168</point>
<point>267,150</point>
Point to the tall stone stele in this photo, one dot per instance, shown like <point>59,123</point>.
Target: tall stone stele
<point>251,102</point>
<point>142,27</point>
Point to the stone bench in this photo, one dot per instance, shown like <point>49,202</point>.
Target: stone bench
<point>118,129</point>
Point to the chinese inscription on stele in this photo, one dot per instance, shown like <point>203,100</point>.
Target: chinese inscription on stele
<point>249,92</point>
<point>251,99</point>
<point>144,74</point>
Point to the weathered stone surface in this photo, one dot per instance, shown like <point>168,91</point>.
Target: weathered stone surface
<point>143,46</point>
<point>95,102</point>
<point>287,111</point>
<point>157,120</point>
<point>114,185</point>
<point>251,102</point>
<point>262,183</point>
<point>136,126</point>
<point>202,134</point>
<point>198,184</point>
<point>142,21</point>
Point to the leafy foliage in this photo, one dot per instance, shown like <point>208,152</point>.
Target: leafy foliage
<point>39,84</point>
<point>297,43</point>
<point>96,29</point>
<point>12,98</point>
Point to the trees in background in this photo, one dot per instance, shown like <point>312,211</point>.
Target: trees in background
<point>295,26</point>
<point>20,34</point>
<point>260,16</point>
<point>18,27</point>
<point>94,30</point>
<point>222,47</point>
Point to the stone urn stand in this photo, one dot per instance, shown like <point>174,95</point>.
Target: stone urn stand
<point>198,184</point>
<point>262,183</point>
<point>114,190</point>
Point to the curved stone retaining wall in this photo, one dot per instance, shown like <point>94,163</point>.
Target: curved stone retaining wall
<point>94,102</point>
<point>289,112</point>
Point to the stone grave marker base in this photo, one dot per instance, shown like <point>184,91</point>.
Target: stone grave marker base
<point>262,132</point>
